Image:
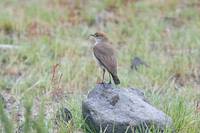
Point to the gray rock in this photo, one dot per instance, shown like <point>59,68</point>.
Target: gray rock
<point>117,110</point>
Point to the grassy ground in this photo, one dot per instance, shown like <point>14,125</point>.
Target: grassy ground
<point>53,65</point>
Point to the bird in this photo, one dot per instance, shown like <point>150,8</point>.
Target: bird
<point>136,62</point>
<point>105,56</point>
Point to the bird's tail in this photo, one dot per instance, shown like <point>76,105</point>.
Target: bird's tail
<point>115,79</point>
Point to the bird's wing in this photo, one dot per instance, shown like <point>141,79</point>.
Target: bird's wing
<point>106,56</point>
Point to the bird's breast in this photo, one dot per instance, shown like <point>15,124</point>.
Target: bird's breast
<point>98,62</point>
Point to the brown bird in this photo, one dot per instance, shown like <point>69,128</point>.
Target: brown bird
<point>105,56</point>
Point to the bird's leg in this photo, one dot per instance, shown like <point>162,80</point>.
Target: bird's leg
<point>110,78</point>
<point>103,76</point>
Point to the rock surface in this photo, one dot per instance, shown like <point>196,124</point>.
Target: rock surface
<point>110,109</point>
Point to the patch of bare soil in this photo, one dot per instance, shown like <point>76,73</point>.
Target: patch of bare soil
<point>174,21</point>
<point>105,16</point>
<point>36,28</point>
<point>192,79</point>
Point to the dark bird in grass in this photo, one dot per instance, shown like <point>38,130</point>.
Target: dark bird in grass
<point>63,115</point>
<point>136,62</point>
<point>105,56</point>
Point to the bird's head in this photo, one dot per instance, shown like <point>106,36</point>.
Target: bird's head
<point>99,36</point>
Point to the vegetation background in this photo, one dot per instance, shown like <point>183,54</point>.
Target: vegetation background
<point>50,64</point>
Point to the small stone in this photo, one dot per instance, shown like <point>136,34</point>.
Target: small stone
<point>114,100</point>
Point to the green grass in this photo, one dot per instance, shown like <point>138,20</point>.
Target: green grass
<point>49,33</point>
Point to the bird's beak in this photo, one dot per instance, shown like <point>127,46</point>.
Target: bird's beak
<point>92,35</point>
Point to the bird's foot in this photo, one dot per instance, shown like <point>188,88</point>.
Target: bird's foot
<point>101,82</point>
